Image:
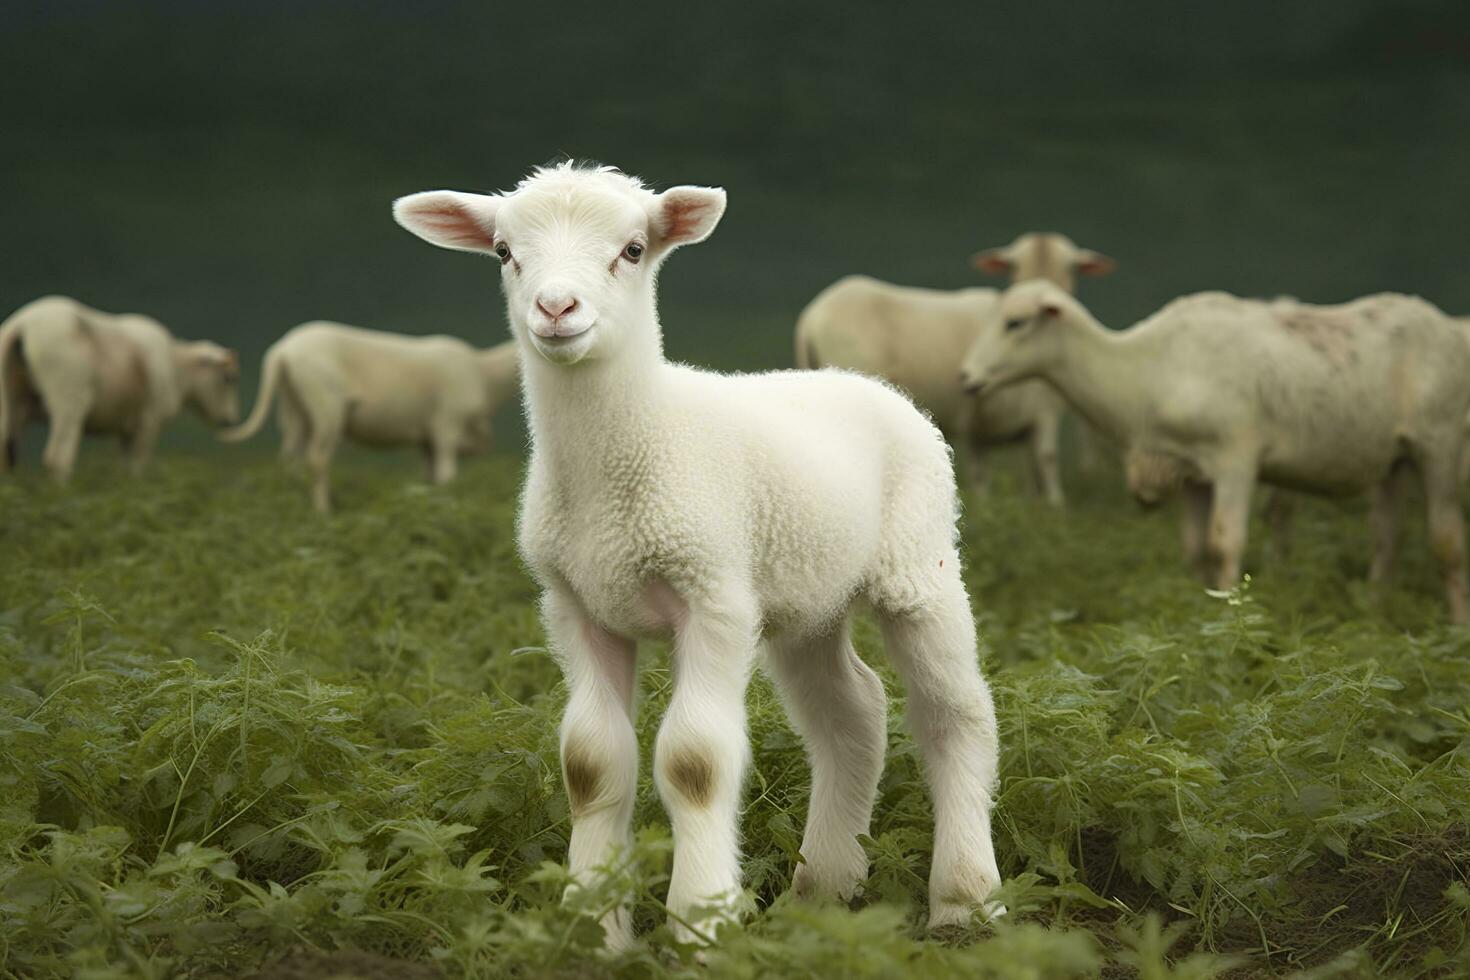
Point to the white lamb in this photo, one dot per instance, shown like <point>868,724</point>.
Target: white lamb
<point>915,339</point>
<point>111,374</point>
<point>379,389</point>
<point>1214,393</point>
<point>730,513</point>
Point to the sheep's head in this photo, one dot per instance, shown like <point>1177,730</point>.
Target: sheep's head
<point>1043,255</point>
<point>579,250</point>
<point>1018,339</point>
<point>211,380</point>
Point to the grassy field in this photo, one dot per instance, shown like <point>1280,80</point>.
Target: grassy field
<point>239,740</point>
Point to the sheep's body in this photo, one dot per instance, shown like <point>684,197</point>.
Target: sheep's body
<point>87,371</point>
<point>331,381</point>
<point>1214,392</point>
<point>915,338</point>
<point>732,514</point>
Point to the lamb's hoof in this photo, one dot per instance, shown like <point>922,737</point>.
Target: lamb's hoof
<point>840,884</point>
<point>947,916</point>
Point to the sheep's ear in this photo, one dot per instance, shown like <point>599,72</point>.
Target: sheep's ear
<point>1090,263</point>
<point>450,219</point>
<point>686,215</point>
<point>994,261</point>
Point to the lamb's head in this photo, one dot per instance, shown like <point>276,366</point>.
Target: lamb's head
<point>210,377</point>
<point>1020,337</point>
<point>1043,255</point>
<point>579,251</point>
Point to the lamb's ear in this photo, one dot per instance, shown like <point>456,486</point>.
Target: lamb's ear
<point>686,215</point>
<point>994,261</point>
<point>450,219</point>
<point>1090,263</point>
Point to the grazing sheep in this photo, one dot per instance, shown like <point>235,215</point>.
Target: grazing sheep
<point>1213,393</point>
<point>104,373</point>
<point>915,339</point>
<point>729,513</point>
<point>379,389</point>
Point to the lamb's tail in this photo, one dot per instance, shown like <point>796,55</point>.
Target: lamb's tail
<point>10,369</point>
<point>806,351</point>
<point>270,373</point>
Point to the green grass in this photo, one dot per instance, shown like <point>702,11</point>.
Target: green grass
<point>232,732</point>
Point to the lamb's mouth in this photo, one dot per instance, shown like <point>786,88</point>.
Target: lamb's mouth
<point>561,335</point>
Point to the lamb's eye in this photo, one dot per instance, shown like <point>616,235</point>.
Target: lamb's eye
<point>502,251</point>
<point>1016,324</point>
<point>633,252</point>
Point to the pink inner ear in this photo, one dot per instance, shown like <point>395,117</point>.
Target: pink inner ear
<point>1096,267</point>
<point>682,217</point>
<point>1051,309</point>
<point>454,223</point>
<point>997,265</point>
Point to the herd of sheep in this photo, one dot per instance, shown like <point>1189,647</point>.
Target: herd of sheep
<point>743,516</point>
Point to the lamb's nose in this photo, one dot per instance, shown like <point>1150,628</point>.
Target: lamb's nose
<point>556,307</point>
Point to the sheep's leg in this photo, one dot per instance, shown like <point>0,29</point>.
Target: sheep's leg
<point>1089,448</point>
<point>1280,515</point>
<point>63,441</point>
<point>953,721</point>
<point>1195,526</point>
<point>326,418</point>
<point>969,462</point>
<point>836,703</point>
<point>1229,524</point>
<point>1447,526</point>
<point>1045,436</point>
<point>599,749</point>
<point>444,450</point>
<point>141,442</point>
<point>1384,521</point>
<point>19,416</point>
<point>699,764</point>
<point>294,428</point>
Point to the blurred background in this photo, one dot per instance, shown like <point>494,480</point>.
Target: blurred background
<point>228,167</point>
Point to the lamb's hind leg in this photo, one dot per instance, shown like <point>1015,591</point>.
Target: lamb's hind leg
<point>1230,514</point>
<point>1384,519</point>
<point>599,749</point>
<point>1447,525</point>
<point>836,703</point>
<point>932,643</point>
<point>700,760</point>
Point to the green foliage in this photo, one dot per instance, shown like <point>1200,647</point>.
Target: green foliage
<point>236,736</point>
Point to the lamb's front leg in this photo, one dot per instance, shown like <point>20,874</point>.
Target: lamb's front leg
<point>599,749</point>
<point>700,762</point>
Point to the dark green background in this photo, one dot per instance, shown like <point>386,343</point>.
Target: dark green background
<point>228,167</point>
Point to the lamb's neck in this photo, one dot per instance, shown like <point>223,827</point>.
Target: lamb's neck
<point>1108,377</point>
<point>582,413</point>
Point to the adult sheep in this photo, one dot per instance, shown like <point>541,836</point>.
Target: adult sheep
<point>380,389</point>
<point>1214,393</point>
<point>728,513</point>
<point>109,374</point>
<point>915,338</point>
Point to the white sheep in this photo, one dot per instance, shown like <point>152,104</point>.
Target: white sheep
<point>729,513</point>
<point>1213,393</point>
<point>104,373</point>
<point>915,338</point>
<point>380,389</point>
